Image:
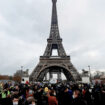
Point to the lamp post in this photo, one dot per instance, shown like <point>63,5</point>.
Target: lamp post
<point>90,73</point>
<point>21,71</point>
<point>21,67</point>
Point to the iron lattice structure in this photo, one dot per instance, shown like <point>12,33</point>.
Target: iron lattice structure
<point>59,63</point>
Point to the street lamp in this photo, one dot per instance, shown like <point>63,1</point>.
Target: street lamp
<point>21,67</point>
<point>90,73</point>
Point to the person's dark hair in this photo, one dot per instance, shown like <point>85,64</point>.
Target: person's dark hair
<point>15,96</point>
<point>64,88</point>
<point>52,93</point>
<point>77,92</point>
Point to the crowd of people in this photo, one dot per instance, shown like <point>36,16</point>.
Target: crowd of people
<point>51,94</point>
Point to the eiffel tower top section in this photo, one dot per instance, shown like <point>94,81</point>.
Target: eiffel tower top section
<point>54,31</point>
<point>54,40</point>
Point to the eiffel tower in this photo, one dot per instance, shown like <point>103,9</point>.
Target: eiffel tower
<point>54,64</point>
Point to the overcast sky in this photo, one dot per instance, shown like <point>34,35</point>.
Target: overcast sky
<point>25,26</point>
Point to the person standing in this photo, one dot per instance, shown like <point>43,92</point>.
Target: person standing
<point>77,100</point>
<point>51,98</point>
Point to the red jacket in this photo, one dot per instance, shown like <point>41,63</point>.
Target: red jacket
<point>52,100</point>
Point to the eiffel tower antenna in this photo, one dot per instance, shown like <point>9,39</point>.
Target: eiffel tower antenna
<point>54,14</point>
